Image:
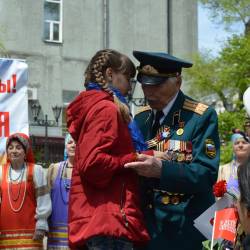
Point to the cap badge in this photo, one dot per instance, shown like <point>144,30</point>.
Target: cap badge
<point>148,69</point>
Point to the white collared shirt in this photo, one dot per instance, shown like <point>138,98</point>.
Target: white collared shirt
<point>167,108</point>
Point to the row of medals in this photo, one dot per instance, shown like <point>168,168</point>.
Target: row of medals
<point>175,150</point>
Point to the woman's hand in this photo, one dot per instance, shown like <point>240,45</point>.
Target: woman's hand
<point>39,234</point>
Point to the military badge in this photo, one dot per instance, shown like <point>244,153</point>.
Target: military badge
<point>210,150</point>
<point>180,131</point>
<point>181,157</point>
<point>165,199</point>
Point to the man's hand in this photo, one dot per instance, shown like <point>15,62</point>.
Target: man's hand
<point>147,166</point>
<point>161,155</point>
<point>39,234</point>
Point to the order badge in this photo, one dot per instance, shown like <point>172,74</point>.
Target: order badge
<point>180,131</point>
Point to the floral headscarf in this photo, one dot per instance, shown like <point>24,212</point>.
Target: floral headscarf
<point>24,140</point>
<point>237,134</point>
<point>236,137</point>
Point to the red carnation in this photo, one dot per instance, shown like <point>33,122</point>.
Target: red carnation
<point>220,188</point>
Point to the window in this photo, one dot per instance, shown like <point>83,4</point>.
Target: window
<point>53,20</point>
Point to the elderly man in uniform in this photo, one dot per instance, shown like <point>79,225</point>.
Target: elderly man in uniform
<point>178,189</point>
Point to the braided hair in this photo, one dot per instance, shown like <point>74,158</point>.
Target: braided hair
<point>119,63</point>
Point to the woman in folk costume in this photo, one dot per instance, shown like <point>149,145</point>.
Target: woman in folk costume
<point>25,199</point>
<point>104,206</point>
<point>241,151</point>
<point>59,178</point>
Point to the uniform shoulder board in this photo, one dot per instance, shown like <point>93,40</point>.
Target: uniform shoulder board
<point>194,106</point>
<point>143,109</point>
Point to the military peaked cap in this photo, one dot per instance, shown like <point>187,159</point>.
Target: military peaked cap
<point>156,67</point>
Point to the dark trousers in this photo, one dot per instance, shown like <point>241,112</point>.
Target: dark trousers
<point>108,243</point>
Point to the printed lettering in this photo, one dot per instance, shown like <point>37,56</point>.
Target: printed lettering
<point>9,86</point>
<point>2,87</point>
<point>4,124</point>
<point>228,225</point>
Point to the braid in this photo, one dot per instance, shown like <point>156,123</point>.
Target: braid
<point>98,67</point>
<point>95,72</point>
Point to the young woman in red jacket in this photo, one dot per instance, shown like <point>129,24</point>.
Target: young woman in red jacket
<point>104,206</point>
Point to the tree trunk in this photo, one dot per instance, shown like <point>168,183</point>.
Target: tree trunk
<point>247,28</point>
<point>226,104</point>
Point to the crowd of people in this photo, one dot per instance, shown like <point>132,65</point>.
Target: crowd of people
<point>125,183</point>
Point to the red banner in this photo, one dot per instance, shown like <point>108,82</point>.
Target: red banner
<point>225,224</point>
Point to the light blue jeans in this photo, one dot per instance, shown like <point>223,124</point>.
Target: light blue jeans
<point>109,243</point>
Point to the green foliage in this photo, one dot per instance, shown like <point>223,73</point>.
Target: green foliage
<point>207,245</point>
<point>204,78</point>
<point>229,12</point>
<point>236,58</point>
<point>226,153</point>
<point>227,75</point>
<point>228,121</point>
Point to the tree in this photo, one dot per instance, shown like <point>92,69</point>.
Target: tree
<point>229,12</point>
<point>235,57</point>
<point>227,75</point>
<point>204,78</point>
<point>228,72</point>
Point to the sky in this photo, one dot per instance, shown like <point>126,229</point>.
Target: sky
<point>210,35</point>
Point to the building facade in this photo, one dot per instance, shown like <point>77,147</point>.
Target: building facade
<point>57,38</point>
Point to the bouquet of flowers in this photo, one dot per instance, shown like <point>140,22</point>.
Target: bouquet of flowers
<point>220,188</point>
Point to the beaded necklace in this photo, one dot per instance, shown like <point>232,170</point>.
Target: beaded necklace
<point>65,184</point>
<point>10,193</point>
<point>10,175</point>
<point>19,179</point>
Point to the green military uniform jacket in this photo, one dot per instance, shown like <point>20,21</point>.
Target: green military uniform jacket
<point>189,133</point>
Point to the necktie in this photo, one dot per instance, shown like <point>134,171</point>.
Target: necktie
<point>159,114</point>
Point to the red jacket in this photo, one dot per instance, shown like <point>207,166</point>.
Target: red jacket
<point>104,196</point>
